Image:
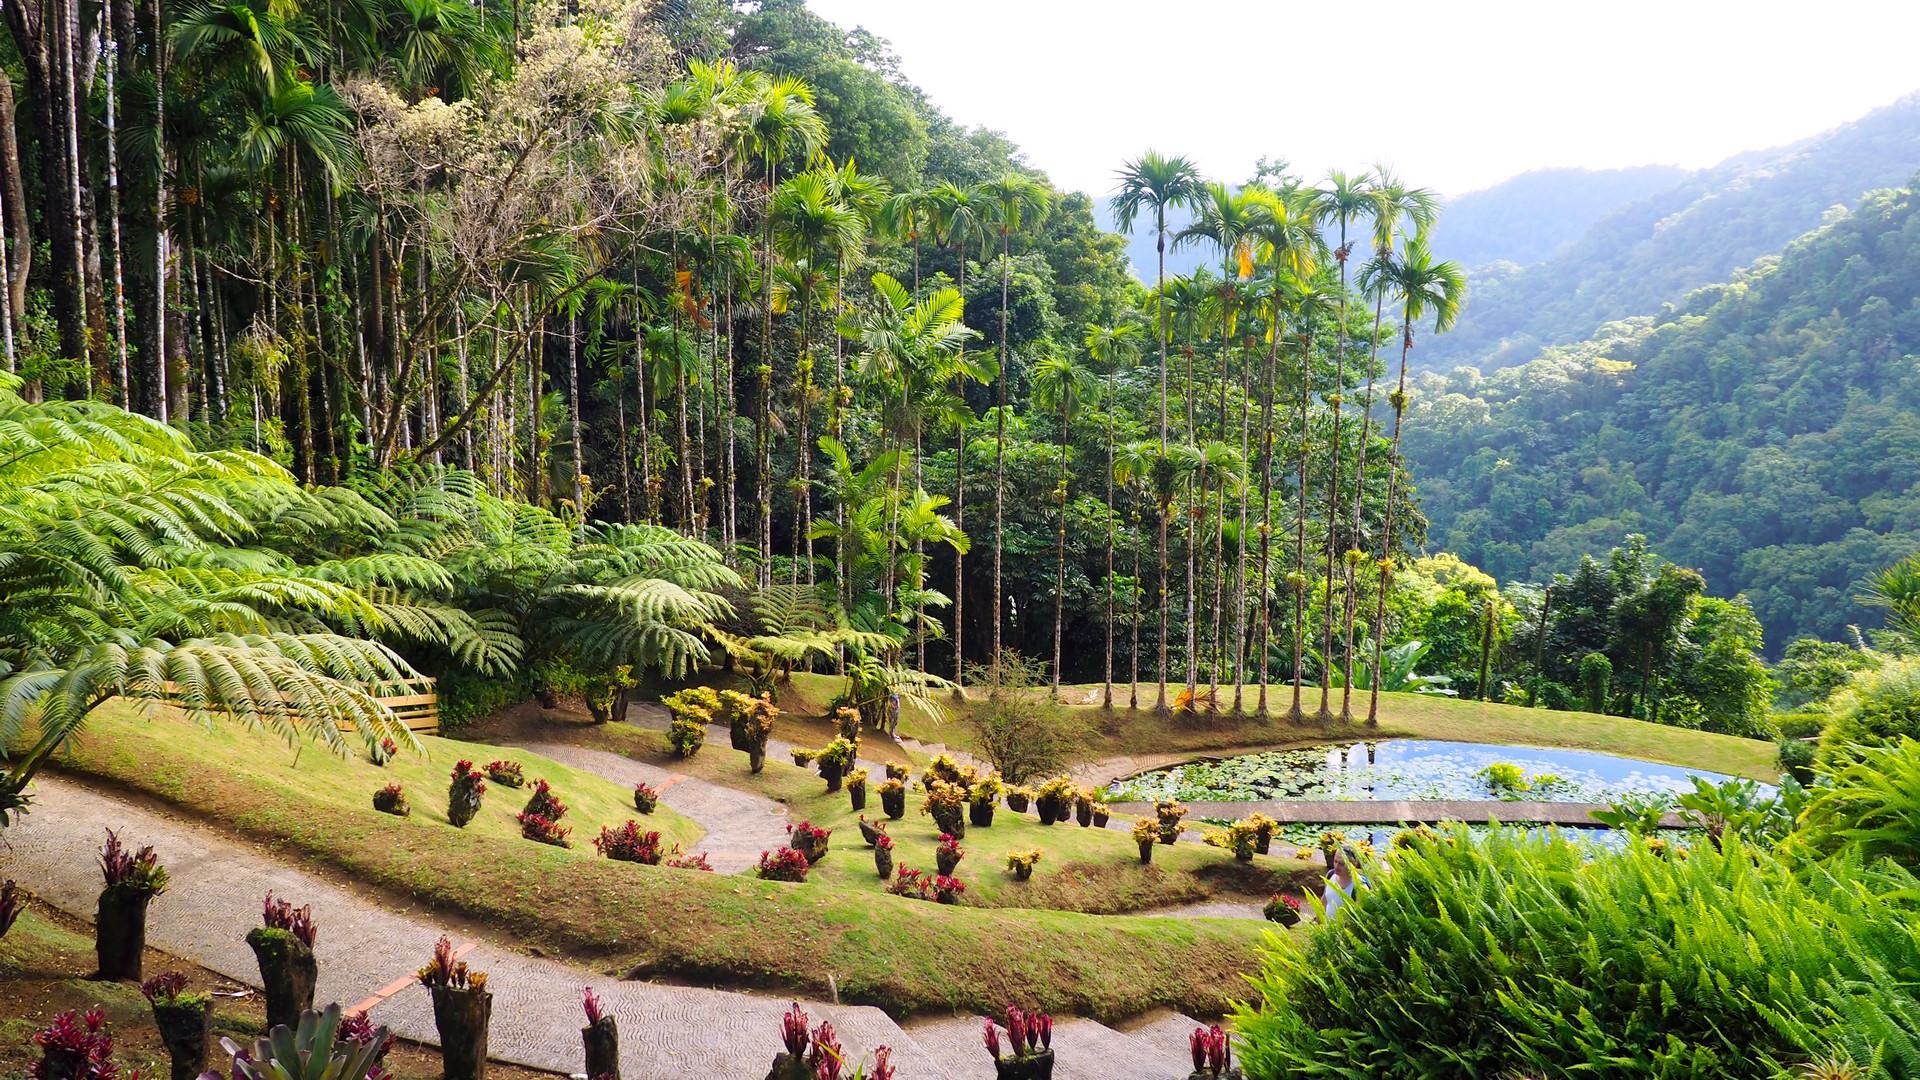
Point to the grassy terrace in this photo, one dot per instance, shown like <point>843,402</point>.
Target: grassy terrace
<point>1086,870</point>
<point>903,955</point>
<point>1139,732</point>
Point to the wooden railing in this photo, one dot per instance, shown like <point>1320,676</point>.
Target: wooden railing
<point>418,710</point>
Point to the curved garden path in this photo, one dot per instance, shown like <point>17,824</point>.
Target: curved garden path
<point>367,953</point>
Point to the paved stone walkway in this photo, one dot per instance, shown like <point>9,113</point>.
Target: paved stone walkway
<point>1083,1050</point>
<point>739,824</point>
<point>665,1031</point>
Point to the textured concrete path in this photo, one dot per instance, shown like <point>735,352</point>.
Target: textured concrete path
<point>363,949</point>
<point>1083,1049</point>
<point>739,824</point>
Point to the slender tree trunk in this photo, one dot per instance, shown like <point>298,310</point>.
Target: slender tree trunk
<point>123,386</point>
<point>1333,486</point>
<point>803,492</point>
<point>1240,541</point>
<point>1357,503</point>
<point>1060,567</point>
<point>960,500</point>
<point>1266,510</point>
<point>1106,698</point>
<point>1160,319</point>
<point>1000,448</point>
<point>1399,402</point>
<point>13,198</point>
<point>1295,714</point>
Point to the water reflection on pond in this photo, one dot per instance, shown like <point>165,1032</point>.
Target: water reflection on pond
<point>1413,769</point>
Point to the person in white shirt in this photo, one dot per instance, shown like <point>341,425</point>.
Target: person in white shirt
<point>1340,883</point>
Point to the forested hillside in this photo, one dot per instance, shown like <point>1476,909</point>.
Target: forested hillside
<point>1532,216</point>
<point>1693,234</point>
<point>1765,432</point>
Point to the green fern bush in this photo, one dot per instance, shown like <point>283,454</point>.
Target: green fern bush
<point>1519,955</point>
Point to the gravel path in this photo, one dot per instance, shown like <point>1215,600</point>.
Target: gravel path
<point>366,950</point>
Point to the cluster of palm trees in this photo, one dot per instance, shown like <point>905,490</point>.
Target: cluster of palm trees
<point>1284,286</point>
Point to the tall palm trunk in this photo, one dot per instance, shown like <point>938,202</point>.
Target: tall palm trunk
<point>1060,566</point>
<point>1240,541</point>
<point>1295,715</point>
<point>1196,523</point>
<point>1000,446</point>
<point>1266,509</point>
<point>1333,485</point>
<point>1357,503</point>
<point>1399,401</point>
<point>122,378</point>
<point>803,490</point>
<point>763,446</point>
<point>1106,700</point>
<point>960,504</point>
<point>1160,317</point>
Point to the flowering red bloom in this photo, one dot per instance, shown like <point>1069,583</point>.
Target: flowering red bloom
<point>991,1036</point>
<point>282,915</point>
<point>882,1063</point>
<point>1017,1028</point>
<point>793,1030</point>
<point>785,864</point>
<point>167,984</point>
<point>883,842</point>
<point>81,1039</point>
<point>827,1054</point>
<point>590,1001</point>
<point>950,845</point>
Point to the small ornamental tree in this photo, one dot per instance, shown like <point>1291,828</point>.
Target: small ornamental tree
<point>464,794</point>
<point>133,879</point>
<point>283,945</point>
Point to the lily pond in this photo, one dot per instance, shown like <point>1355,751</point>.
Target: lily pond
<point>1413,769</point>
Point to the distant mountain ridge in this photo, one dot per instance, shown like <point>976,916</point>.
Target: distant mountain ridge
<point>1654,251</point>
<point>1531,217</point>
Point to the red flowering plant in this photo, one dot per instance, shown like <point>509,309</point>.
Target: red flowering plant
<point>629,844</point>
<point>1212,1052</point>
<point>506,773</point>
<point>809,839</point>
<point>816,1054</point>
<point>645,798</point>
<point>464,794</point>
<point>910,882</point>
<point>785,864</point>
<point>1283,908</point>
<point>545,803</point>
<point>359,1030</point>
<point>949,853</point>
<point>392,799</point>
<point>1029,1036</point>
<point>282,915</point>
<point>76,1046</point>
<point>947,889</point>
<point>543,830</point>
<point>590,1002</point>
<point>683,860</point>
<point>132,872</point>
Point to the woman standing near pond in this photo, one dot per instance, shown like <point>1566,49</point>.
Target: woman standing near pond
<point>1341,883</point>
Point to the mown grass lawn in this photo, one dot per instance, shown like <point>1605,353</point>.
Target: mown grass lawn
<point>1081,869</point>
<point>1140,732</point>
<point>903,955</point>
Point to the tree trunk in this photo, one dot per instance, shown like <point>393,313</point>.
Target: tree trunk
<point>1333,485</point>
<point>1359,500</point>
<point>1000,449</point>
<point>1386,528</point>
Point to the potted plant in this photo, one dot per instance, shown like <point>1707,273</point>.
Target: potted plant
<point>1263,830</point>
<point>893,797</point>
<point>133,879</point>
<point>645,798</point>
<point>750,725</point>
<point>1029,1046</point>
<point>872,831</point>
<point>464,794</point>
<point>834,761</point>
<point>693,709</point>
<point>809,840</point>
<point>1283,908</point>
<point>883,856</point>
<point>383,751</point>
<point>784,864</point>
<point>462,1010</point>
<point>818,1055</point>
<point>1212,1055</point>
<point>981,800</point>
<point>1242,838</point>
<point>947,889</point>
<point>898,772</point>
<point>600,1038</point>
<point>283,946</point>
<point>1169,813</point>
<point>943,767</point>
<point>801,757</point>
<point>1083,807</point>
<point>392,799</point>
<point>736,705</point>
<point>945,803</point>
<point>506,774</point>
<point>857,789</point>
<point>1018,798</point>
<point>540,821</point>
<point>1146,833</point>
<point>948,854</point>
<point>75,1046</point>
<point>1054,799</point>
<point>1022,863</point>
<point>846,723</point>
<point>185,1020</point>
<point>629,844</point>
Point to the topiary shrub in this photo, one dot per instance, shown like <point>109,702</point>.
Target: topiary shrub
<point>1728,963</point>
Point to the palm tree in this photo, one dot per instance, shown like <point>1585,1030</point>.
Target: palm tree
<point>781,122</point>
<point>1112,347</point>
<point>1342,201</point>
<point>1189,300</point>
<point>1426,289</point>
<point>1060,383</point>
<point>1227,221</point>
<point>1014,201</point>
<point>1155,182</point>
<point>1309,303</point>
<point>956,219</point>
<point>1290,247</point>
<point>1392,205</point>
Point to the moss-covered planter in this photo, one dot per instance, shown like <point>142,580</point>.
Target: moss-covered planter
<point>857,793</point>
<point>950,820</point>
<point>186,1026</point>
<point>980,813</point>
<point>946,861</point>
<point>1017,801</point>
<point>870,832</point>
<point>894,803</point>
<point>462,1017</point>
<point>1051,808</point>
<point>832,774</point>
<point>1146,852</point>
<point>756,759</point>
<point>120,931</point>
<point>1083,813</point>
<point>1034,1066</point>
<point>601,1040</point>
<point>1101,817</point>
<point>288,972</point>
<point>883,863</point>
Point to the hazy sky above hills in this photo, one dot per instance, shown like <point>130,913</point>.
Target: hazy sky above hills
<point>1495,87</point>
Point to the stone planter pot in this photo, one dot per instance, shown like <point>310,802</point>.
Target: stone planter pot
<point>870,832</point>
<point>738,737</point>
<point>120,932</point>
<point>1031,1067</point>
<point>857,793</point>
<point>287,972</point>
<point>1243,854</point>
<point>832,774</point>
<point>460,810</point>
<point>1146,851</point>
<point>980,813</point>
<point>951,822</point>
<point>1017,803</point>
<point>946,862</point>
<point>1100,818</point>
<point>894,803</point>
<point>883,863</point>
<point>601,1040</point>
<point>1083,813</point>
<point>1050,809</point>
<point>814,850</point>
<point>801,759</point>
<point>1022,873</point>
<point>788,1067</point>
<point>1327,855</point>
<point>1169,833</point>
<point>1263,842</point>
<point>462,1017</point>
<point>185,1029</point>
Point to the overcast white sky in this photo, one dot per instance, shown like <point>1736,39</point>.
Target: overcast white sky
<point>1492,88</point>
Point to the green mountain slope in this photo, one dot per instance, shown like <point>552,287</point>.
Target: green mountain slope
<point>1532,216</point>
<point>1766,432</point>
<point>1696,233</point>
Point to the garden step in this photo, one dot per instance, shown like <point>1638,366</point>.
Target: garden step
<point>1083,1050</point>
<point>1164,1030</point>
